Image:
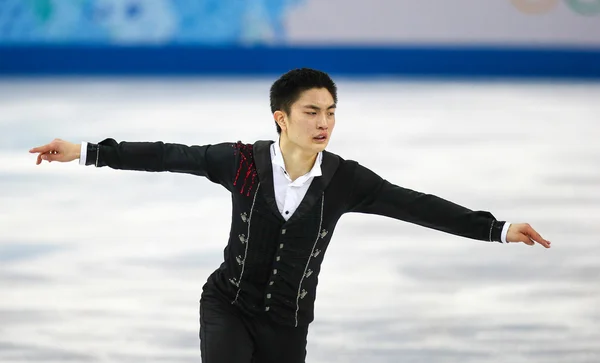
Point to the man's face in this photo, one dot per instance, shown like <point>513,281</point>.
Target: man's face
<point>311,120</point>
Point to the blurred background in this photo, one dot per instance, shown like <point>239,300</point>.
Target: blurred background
<point>491,104</point>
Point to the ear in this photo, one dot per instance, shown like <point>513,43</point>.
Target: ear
<point>281,119</point>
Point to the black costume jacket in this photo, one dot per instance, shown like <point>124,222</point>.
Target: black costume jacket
<point>271,266</point>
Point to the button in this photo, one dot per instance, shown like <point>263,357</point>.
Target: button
<point>287,212</point>
<point>267,308</point>
<point>283,231</point>
<point>268,296</point>
<point>278,258</point>
<point>271,282</point>
<point>281,245</point>
<point>275,272</point>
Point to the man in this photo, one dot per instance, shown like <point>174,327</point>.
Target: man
<point>287,197</point>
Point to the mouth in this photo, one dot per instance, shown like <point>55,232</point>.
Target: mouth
<point>320,137</point>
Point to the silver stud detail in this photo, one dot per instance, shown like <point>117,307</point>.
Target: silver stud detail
<point>323,233</point>
<point>245,239</point>
<point>308,273</point>
<point>303,294</point>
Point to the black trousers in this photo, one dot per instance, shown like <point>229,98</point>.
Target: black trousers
<point>229,336</point>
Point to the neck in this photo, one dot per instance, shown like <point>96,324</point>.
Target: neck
<point>297,161</point>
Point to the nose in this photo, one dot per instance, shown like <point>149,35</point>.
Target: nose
<point>322,123</point>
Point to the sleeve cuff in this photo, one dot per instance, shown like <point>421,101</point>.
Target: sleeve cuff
<point>498,231</point>
<point>505,232</point>
<point>90,154</point>
<point>83,153</point>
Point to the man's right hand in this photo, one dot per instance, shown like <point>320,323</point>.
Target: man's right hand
<point>57,150</point>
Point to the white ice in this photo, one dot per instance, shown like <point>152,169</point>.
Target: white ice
<point>99,265</point>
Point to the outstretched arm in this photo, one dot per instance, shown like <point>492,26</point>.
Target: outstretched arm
<point>216,162</point>
<point>373,195</point>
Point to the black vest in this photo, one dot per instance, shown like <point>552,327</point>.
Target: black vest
<point>271,266</point>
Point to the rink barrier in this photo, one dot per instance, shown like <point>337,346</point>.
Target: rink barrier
<point>352,61</point>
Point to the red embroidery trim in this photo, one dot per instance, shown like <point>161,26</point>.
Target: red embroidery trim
<point>246,162</point>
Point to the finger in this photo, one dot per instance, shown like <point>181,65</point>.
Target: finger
<point>43,156</point>
<point>50,156</point>
<point>542,241</point>
<point>43,148</point>
<point>536,237</point>
<point>525,239</point>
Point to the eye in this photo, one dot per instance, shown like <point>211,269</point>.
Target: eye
<point>332,114</point>
<point>311,113</point>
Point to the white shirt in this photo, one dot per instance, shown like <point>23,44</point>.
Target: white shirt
<point>288,193</point>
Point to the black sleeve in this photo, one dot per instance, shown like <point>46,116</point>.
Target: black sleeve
<point>373,195</point>
<point>215,162</point>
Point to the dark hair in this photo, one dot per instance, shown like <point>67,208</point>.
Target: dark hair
<point>288,88</point>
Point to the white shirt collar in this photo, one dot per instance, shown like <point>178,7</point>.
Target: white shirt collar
<point>277,160</point>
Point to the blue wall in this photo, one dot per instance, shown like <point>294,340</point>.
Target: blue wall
<point>202,60</point>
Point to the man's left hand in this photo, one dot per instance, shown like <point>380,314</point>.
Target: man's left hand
<point>523,232</point>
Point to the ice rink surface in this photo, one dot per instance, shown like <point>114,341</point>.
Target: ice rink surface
<point>99,265</point>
